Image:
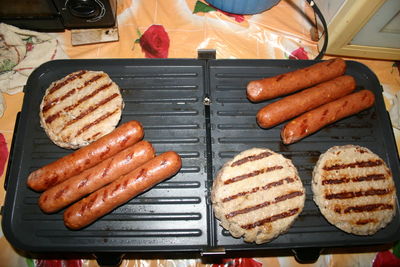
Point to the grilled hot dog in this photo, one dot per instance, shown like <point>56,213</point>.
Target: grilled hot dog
<point>296,104</point>
<point>313,120</point>
<point>88,181</point>
<point>290,82</point>
<point>125,135</point>
<point>122,190</point>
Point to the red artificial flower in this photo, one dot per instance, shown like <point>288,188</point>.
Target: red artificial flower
<point>386,259</point>
<point>59,263</point>
<point>3,153</point>
<point>299,53</point>
<point>238,18</point>
<point>29,46</point>
<point>155,42</point>
<point>239,262</point>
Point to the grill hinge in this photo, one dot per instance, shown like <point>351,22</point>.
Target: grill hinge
<point>206,101</point>
<point>206,54</point>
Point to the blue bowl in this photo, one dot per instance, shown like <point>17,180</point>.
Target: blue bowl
<point>243,6</point>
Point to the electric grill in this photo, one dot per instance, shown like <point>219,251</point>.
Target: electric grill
<point>198,108</point>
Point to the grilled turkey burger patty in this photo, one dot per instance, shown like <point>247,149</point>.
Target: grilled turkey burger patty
<point>354,189</point>
<point>258,195</point>
<point>80,108</point>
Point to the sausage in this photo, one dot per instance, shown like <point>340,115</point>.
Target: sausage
<point>125,135</point>
<point>88,181</point>
<point>313,120</point>
<point>109,197</point>
<point>290,82</point>
<point>298,103</point>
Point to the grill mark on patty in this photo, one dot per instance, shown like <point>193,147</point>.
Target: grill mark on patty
<point>365,208</point>
<point>361,150</point>
<point>248,209</point>
<point>67,80</point>
<point>56,115</point>
<point>288,196</point>
<point>271,219</point>
<point>264,204</point>
<point>364,222</point>
<point>94,137</point>
<point>357,164</point>
<point>53,117</point>
<point>87,97</point>
<point>252,174</point>
<point>251,158</point>
<point>97,121</point>
<point>48,105</point>
<point>369,177</point>
<point>287,179</point>
<point>347,195</point>
<point>90,110</point>
<point>256,189</point>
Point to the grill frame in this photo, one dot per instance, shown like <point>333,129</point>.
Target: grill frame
<point>206,135</point>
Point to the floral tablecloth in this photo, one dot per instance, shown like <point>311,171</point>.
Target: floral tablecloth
<point>179,29</point>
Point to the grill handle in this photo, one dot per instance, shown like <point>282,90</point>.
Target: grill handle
<point>306,255</point>
<point>109,259</point>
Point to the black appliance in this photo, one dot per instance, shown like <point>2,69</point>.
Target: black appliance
<point>57,15</point>
<point>199,109</point>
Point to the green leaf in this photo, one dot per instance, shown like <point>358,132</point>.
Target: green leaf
<point>202,7</point>
<point>396,249</point>
<point>6,65</point>
<point>28,39</point>
<point>139,34</point>
<point>29,262</point>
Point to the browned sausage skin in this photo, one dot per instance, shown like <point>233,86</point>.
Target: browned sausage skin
<point>271,87</point>
<point>122,190</point>
<point>298,103</point>
<point>313,120</point>
<point>88,181</point>
<point>125,135</point>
